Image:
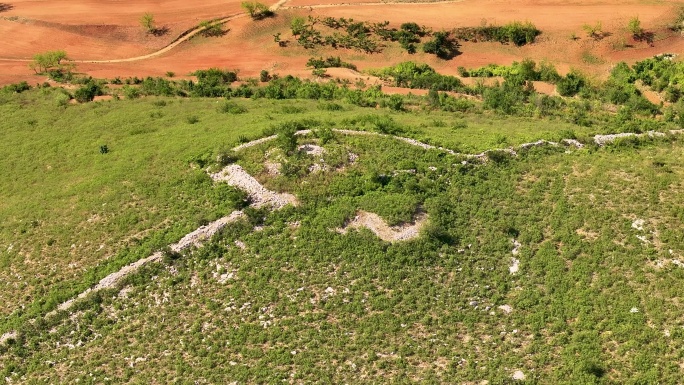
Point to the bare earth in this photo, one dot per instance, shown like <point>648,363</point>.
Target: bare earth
<point>92,30</point>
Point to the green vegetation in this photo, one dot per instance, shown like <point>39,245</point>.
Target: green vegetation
<point>516,33</point>
<point>53,64</point>
<point>148,23</point>
<point>677,24</point>
<point>589,303</point>
<point>212,29</point>
<point>370,37</point>
<point>420,76</point>
<point>526,70</point>
<point>634,27</point>
<point>594,31</point>
<point>257,10</point>
<point>284,295</point>
<point>443,45</point>
<point>329,62</point>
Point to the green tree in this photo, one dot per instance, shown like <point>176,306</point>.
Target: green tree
<point>443,45</point>
<point>319,72</point>
<point>147,22</point>
<point>298,26</point>
<point>47,61</point>
<point>287,138</point>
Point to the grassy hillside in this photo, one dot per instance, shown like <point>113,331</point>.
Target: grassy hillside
<point>594,299</point>
<point>67,208</point>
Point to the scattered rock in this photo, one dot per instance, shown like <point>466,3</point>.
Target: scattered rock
<point>602,140</point>
<point>515,266</point>
<point>199,236</point>
<point>516,247</point>
<point>272,168</point>
<point>572,142</point>
<point>638,224</point>
<point>223,278</point>
<point>8,336</point>
<point>518,375</point>
<point>311,149</point>
<point>506,309</point>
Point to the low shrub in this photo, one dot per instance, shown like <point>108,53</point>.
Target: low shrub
<point>231,108</point>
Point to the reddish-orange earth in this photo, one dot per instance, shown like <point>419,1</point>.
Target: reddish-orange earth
<point>101,30</point>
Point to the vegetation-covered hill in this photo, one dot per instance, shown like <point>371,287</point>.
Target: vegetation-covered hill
<point>556,265</point>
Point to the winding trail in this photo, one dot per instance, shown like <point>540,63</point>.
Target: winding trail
<point>187,35</point>
<point>370,4</point>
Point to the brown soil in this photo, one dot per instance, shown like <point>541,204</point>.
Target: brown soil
<point>95,30</point>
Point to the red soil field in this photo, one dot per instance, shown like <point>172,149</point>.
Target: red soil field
<point>108,30</point>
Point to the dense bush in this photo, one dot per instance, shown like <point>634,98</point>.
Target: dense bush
<point>88,91</point>
<point>571,84</point>
<point>17,87</point>
<point>213,82</point>
<point>329,62</point>
<point>355,35</point>
<point>443,44</point>
<point>507,98</point>
<point>514,33</point>
<point>157,87</point>
<point>526,70</point>
<point>453,104</point>
<point>232,108</point>
<point>420,76</point>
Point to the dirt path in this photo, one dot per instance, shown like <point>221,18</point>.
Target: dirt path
<point>181,39</point>
<point>193,32</point>
<point>370,4</point>
<point>277,5</point>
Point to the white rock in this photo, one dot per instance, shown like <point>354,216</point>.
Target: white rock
<point>518,375</point>
<point>515,266</point>
<point>643,239</point>
<point>638,224</point>
<point>506,309</point>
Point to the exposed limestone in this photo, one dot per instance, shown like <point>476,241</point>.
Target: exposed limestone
<point>387,233</point>
<point>236,176</point>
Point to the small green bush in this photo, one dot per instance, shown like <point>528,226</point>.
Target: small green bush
<point>231,108</point>
<point>88,92</point>
<point>571,84</point>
